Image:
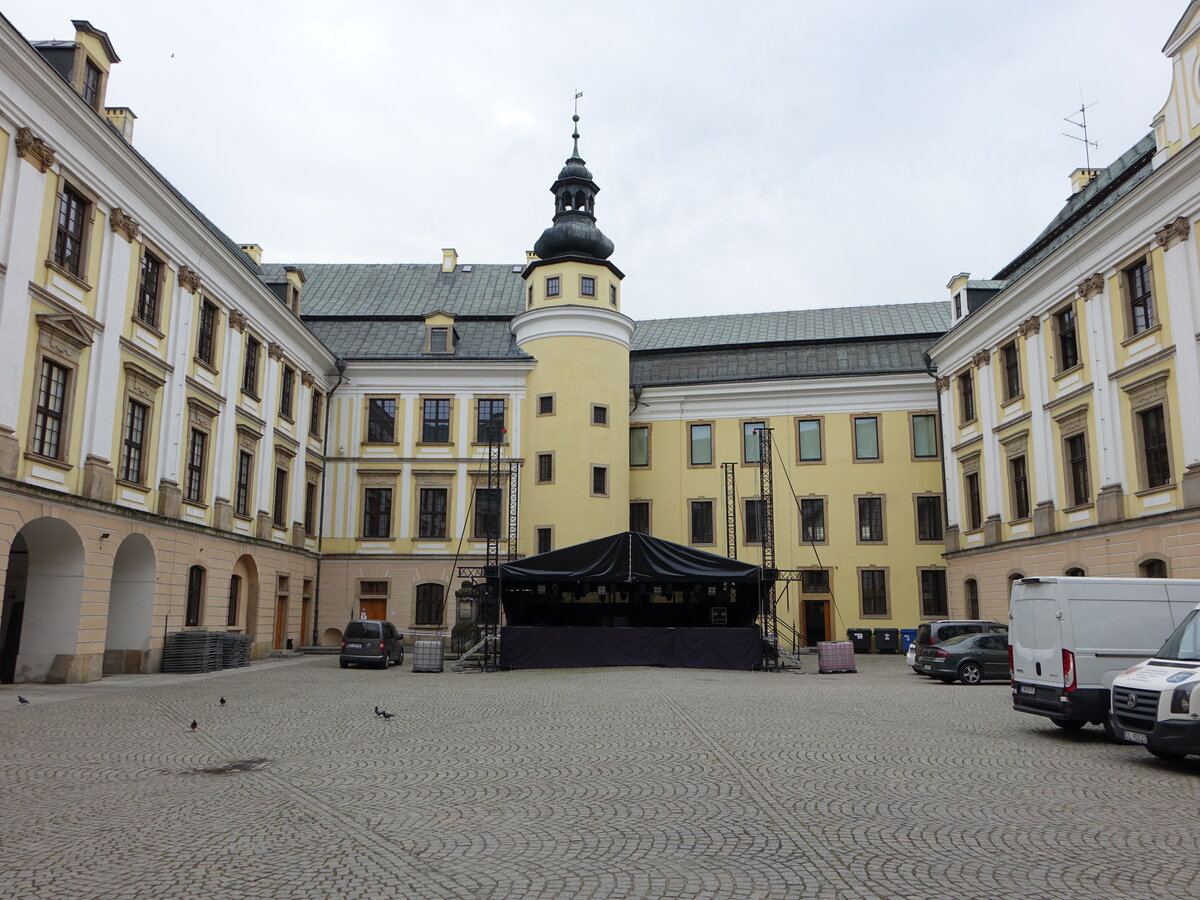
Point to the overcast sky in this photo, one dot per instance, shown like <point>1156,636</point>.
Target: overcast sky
<point>751,156</point>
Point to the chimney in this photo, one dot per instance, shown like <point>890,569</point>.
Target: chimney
<point>253,251</point>
<point>530,256</point>
<point>1080,178</point>
<point>121,118</point>
<point>449,259</point>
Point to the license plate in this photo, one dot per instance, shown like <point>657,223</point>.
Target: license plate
<point>1028,689</point>
<point>350,644</point>
<point>1134,737</point>
<point>927,667</point>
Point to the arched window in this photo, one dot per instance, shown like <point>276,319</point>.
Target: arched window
<point>972,592</point>
<point>195,595</point>
<point>1075,572</point>
<point>429,604</point>
<point>235,589</point>
<point>1153,568</point>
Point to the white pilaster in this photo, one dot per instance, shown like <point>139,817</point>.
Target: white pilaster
<point>112,287</point>
<point>1111,449</point>
<point>1182,277</point>
<point>24,194</point>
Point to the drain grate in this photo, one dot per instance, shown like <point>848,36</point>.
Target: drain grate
<point>241,765</point>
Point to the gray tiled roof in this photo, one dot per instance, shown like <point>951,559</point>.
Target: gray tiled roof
<point>374,339</point>
<point>1083,208</point>
<point>402,289</point>
<point>789,361</point>
<point>794,325</point>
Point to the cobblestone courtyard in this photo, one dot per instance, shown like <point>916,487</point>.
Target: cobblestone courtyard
<point>591,783</point>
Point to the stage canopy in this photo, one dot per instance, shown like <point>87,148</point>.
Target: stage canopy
<point>629,558</point>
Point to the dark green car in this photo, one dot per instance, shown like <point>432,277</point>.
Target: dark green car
<point>969,658</point>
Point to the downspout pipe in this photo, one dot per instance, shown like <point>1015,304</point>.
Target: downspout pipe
<point>341,374</point>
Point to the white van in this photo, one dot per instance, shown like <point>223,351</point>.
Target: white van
<point>1157,702</point>
<point>1070,637</point>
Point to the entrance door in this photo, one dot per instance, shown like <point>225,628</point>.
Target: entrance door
<point>281,606</point>
<point>372,609</point>
<point>305,621</point>
<point>816,621</point>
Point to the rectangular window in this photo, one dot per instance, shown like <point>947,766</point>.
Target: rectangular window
<point>489,421</point>
<point>429,606</point>
<point>314,413</point>
<point>702,522</point>
<point>487,513</point>
<point>250,367</point>
<point>73,213</point>
<point>812,520</point>
<point>545,468</point>
<point>206,333</point>
<point>966,397</point>
<point>545,404</point>
<point>755,510</point>
<point>1077,464</point>
<point>1154,446</point>
<point>639,446</point>
<point>974,504</point>
<point>924,429</point>
<point>929,518</point>
<point>381,420</point>
<point>279,507</point>
<point>435,421</point>
<point>700,448</point>
<point>814,581</point>
<point>599,414</point>
<point>552,286</point>
<point>529,297</point>
<point>1012,370</point>
<point>612,294</point>
<point>197,455</point>
<point>808,440</point>
<point>91,84</point>
<point>310,508</point>
<point>377,513</point>
<point>935,602</point>
<point>874,592</point>
<point>866,437</point>
<point>241,494</point>
<point>587,286</point>
<point>1140,296</point>
<point>1068,342</point>
<point>134,445</point>
<point>51,407</point>
<point>235,589</point>
<point>639,516</point>
<point>545,540</point>
<point>599,481</point>
<point>287,392</point>
<point>432,519</point>
<point>750,441</point>
<point>870,519</point>
<point>149,288</point>
<point>1018,480</point>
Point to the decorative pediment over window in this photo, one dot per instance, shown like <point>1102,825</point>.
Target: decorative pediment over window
<point>64,333</point>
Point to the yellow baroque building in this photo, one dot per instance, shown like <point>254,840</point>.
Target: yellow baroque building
<point>197,439</point>
<point>1068,382</point>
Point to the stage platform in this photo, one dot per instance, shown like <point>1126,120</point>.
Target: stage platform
<point>564,647</point>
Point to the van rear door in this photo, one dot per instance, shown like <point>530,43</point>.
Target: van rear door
<point>1036,634</point>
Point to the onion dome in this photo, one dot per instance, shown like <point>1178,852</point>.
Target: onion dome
<point>574,232</point>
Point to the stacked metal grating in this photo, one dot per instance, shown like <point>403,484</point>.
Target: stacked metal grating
<point>235,650</point>
<point>192,651</point>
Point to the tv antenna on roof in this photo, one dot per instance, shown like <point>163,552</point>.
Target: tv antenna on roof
<point>1081,124</point>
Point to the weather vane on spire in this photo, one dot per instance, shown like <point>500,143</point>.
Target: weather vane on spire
<point>578,94</point>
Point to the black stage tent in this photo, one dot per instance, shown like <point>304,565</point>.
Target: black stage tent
<point>630,599</point>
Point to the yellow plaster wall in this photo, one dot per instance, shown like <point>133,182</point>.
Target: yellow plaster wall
<point>569,274</point>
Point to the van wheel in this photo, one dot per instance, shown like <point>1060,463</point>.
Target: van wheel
<point>343,663</point>
<point>1069,724</point>
<point>1166,755</point>
<point>970,673</point>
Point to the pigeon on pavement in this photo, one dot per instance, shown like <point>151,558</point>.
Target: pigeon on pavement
<point>222,701</point>
<point>194,725</point>
<point>377,712</point>
<point>22,700</point>
<point>386,715</point>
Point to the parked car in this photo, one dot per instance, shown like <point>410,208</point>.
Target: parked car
<point>371,642</point>
<point>969,658</point>
<point>933,633</point>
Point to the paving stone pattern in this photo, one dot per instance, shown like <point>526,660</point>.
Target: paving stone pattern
<point>656,783</point>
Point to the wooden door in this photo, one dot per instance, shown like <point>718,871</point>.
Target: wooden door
<point>372,609</point>
<point>281,605</point>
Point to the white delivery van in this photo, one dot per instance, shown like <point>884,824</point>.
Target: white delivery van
<point>1069,638</point>
<point>1157,702</point>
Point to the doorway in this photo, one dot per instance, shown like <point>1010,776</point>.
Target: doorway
<point>130,608</point>
<point>816,621</point>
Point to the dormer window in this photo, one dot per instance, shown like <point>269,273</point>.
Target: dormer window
<point>439,340</point>
<point>91,84</point>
